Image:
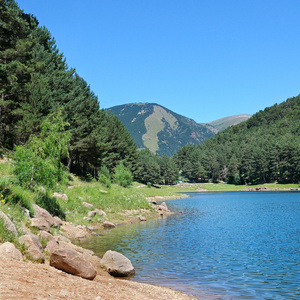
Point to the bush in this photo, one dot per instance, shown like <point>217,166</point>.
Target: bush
<point>123,176</point>
<point>104,180</point>
<point>39,162</point>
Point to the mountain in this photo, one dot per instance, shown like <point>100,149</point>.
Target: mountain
<point>223,123</point>
<point>160,129</point>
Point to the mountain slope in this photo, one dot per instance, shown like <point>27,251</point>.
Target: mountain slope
<point>223,123</point>
<point>160,129</point>
<point>263,149</point>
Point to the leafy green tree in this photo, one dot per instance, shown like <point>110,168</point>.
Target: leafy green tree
<point>123,176</point>
<point>39,161</point>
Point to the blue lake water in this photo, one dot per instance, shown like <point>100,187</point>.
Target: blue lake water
<point>236,245</point>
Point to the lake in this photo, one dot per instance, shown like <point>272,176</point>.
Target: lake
<point>234,245</point>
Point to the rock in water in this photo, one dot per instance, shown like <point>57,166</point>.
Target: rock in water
<point>117,264</point>
<point>72,262</point>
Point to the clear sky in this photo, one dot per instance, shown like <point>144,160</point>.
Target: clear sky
<point>204,59</point>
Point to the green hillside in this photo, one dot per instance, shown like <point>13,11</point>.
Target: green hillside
<point>160,129</point>
<point>265,148</point>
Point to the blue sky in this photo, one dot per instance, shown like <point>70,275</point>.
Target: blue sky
<point>202,59</point>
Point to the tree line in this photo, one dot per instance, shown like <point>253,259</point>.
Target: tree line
<point>265,148</point>
<point>35,82</point>
<point>42,99</point>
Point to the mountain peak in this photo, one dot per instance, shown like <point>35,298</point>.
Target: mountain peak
<point>160,129</point>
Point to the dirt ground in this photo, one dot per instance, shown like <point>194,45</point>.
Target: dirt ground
<point>26,280</point>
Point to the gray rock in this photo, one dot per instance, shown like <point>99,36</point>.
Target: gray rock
<point>10,226</point>
<point>40,212</point>
<point>8,250</point>
<point>117,264</point>
<point>72,262</point>
<point>41,224</point>
<point>142,219</point>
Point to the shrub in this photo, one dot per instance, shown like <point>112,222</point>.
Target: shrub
<point>123,176</point>
<point>39,162</point>
<point>104,180</point>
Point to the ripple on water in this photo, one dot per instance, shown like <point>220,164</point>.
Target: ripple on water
<point>230,245</point>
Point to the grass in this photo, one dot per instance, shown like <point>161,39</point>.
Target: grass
<point>117,202</point>
<point>177,190</point>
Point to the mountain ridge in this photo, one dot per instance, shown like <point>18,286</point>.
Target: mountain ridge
<point>160,129</point>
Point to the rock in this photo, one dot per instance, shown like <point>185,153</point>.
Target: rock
<point>163,207</point>
<point>46,236</point>
<point>9,251</point>
<point>57,221</point>
<point>88,205</point>
<point>40,223</point>
<point>26,213</point>
<point>108,224</point>
<point>117,264</point>
<point>92,213</point>
<point>87,219</point>
<point>51,246</point>
<point>40,212</point>
<point>100,212</point>
<point>61,238</point>
<point>34,247</point>
<point>73,232</point>
<point>61,196</point>
<point>72,262</point>
<point>142,219</point>
<point>9,225</point>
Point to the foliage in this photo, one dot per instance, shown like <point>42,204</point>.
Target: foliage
<point>123,176</point>
<point>263,149</point>
<point>50,204</point>
<point>39,162</point>
<point>35,81</point>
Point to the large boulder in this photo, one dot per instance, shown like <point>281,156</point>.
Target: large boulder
<point>10,226</point>
<point>40,212</point>
<point>117,264</point>
<point>87,254</point>
<point>41,224</point>
<point>34,247</point>
<point>9,251</point>
<point>72,262</point>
